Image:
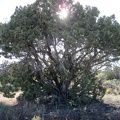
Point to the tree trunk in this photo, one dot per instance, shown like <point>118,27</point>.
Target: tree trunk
<point>63,93</point>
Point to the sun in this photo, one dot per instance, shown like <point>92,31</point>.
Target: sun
<point>63,13</point>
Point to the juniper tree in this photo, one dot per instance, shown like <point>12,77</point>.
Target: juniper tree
<point>57,55</point>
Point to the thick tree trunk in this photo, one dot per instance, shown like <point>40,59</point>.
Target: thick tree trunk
<point>63,93</point>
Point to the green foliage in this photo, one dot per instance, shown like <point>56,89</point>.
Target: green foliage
<point>17,77</point>
<point>56,55</point>
<point>1,28</point>
<point>88,90</point>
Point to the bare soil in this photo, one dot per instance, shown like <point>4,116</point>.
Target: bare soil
<point>112,100</point>
<point>9,101</point>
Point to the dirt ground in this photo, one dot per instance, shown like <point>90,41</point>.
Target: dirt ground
<point>112,100</point>
<point>9,101</point>
<point>110,110</point>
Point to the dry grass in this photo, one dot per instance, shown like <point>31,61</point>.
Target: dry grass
<point>112,99</point>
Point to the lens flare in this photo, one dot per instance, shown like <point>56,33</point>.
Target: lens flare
<point>63,13</point>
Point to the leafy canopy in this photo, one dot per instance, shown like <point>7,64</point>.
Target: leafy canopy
<point>58,55</point>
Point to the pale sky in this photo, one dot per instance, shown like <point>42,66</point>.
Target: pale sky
<point>106,7</point>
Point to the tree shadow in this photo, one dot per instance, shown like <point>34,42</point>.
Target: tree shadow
<point>93,111</point>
